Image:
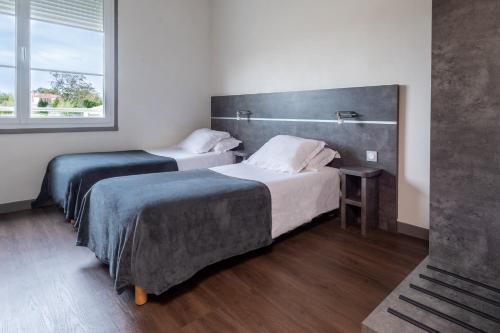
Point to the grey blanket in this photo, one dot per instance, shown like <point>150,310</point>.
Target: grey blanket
<point>69,177</point>
<point>157,230</point>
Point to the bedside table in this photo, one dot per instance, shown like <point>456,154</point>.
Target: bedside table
<point>240,156</point>
<point>359,201</point>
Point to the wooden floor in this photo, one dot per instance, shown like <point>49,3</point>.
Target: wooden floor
<point>320,279</point>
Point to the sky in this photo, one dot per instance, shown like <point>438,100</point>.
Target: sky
<point>53,47</point>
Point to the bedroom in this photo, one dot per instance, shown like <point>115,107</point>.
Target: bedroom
<point>406,84</point>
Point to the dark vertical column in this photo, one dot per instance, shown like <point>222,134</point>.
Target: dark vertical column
<point>465,138</point>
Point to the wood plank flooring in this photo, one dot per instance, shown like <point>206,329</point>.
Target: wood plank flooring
<point>318,279</point>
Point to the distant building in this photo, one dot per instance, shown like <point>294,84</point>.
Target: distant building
<point>36,97</point>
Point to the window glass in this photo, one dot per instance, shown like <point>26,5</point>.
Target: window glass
<point>7,92</point>
<point>7,59</point>
<point>66,95</point>
<point>7,40</point>
<point>66,48</point>
<point>67,66</point>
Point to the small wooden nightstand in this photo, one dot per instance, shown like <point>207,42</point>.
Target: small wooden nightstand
<point>359,197</point>
<point>240,156</point>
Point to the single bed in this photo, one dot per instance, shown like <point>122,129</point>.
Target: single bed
<point>157,230</point>
<point>68,177</point>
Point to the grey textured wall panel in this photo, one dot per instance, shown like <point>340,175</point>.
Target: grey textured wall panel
<point>379,103</point>
<point>372,103</point>
<point>465,138</point>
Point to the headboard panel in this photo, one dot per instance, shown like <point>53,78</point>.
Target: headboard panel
<point>312,114</point>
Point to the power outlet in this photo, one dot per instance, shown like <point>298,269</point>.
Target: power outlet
<point>371,156</point>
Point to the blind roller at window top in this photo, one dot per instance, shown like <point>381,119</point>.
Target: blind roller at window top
<point>7,7</point>
<point>86,14</point>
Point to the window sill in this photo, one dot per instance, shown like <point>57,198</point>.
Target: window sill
<point>28,130</point>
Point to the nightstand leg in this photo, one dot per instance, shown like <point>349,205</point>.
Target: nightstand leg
<point>363,207</point>
<point>343,212</point>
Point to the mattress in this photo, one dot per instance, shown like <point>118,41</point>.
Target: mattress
<point>295,198</point>
<point>188,161</point>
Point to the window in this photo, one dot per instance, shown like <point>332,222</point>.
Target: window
<point>57,64</point>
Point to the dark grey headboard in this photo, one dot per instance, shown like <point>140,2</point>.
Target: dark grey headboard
<point>312,114</point>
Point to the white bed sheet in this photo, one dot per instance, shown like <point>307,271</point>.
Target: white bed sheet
<point>189,161</point>
<point>295,198</point>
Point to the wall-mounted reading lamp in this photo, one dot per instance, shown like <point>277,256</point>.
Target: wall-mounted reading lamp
<point>342,115</point>
<point>243,113</point>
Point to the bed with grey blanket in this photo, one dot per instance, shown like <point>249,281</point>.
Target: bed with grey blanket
<point>157,230</point>
<point>69,177</point>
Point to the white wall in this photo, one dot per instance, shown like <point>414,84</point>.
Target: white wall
<point>256,46</point>
<point>286,45</point>
<point>163,92</point>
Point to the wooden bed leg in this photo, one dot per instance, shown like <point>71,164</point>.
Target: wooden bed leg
<point>141,297</point>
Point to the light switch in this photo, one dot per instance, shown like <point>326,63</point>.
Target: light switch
<point>371,156</point>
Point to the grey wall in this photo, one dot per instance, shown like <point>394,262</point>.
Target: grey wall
<point>465,138</point>
<point>380,103</point>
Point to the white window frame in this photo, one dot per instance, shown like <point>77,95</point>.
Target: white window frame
<point>23,122</point>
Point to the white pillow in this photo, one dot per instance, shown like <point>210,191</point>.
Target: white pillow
<point>322,159</point>
<point>202,140</point>
<point>286,153</point>
<point>226,144</point>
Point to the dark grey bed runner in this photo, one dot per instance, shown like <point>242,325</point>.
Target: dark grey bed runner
<point>69,177</point>
<point>157,230</point>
